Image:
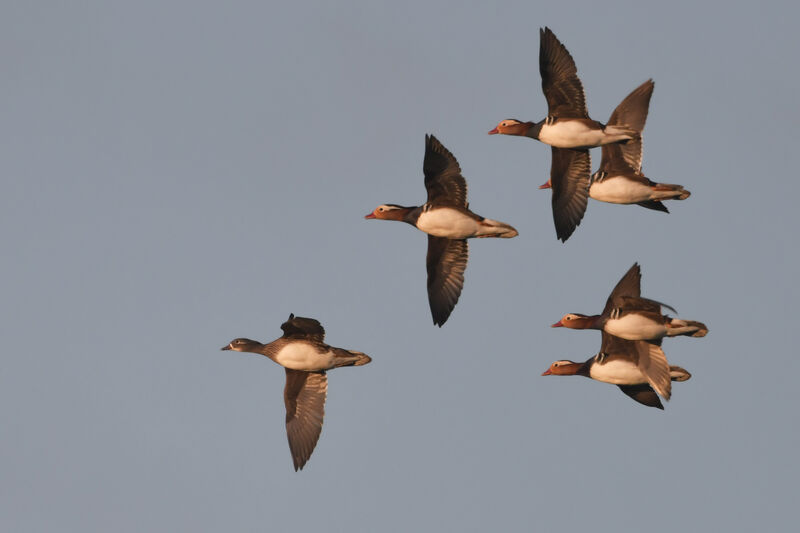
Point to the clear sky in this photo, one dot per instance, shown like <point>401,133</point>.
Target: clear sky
<point>176,174</point>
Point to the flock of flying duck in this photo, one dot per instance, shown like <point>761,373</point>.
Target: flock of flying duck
<point>632,327</point>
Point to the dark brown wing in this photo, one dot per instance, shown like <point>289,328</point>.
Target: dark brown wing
<point>647,356</point>
<point>632,112</point>
<point>628,286</point>
<point>631,303</point>
<point>569,178</point>
<point>643,394</point>
<point>560,83</point>
<point>304,396</point>
<point>613,345</point>
<point>446,261</point>
<point>298,327</point>
<point>443,179</point>
<point>613,160</point>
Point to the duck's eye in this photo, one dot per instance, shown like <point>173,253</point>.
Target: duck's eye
<point>567,318</point>
<point>555,364</point>
<point>380,209</point>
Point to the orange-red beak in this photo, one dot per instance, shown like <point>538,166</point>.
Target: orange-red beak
<point>546,185</point>
<point>546,372</point>
<point>494,132</point>
<point>557,325</point>
<point>371,215</point>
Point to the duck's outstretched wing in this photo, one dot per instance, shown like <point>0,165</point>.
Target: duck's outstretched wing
<point>560,83</point>
<point>304,397</point>
<point>443,179</point>
<point>647,356</point>
<point>569,178</point>
<point>644,394</point>
<point>631,112</point>
<point>446,262</point>
<point>298,327</point>
<point>627,287</point>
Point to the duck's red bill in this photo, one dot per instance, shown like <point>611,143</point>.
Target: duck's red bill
<point>371,215</point>
<point>557,325</point>
<point>546,372</point>
<point>494,132</point>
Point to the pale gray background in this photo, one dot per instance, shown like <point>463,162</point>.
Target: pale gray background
<point>177,174</point>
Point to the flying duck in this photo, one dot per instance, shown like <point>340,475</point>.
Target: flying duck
<point>619,180</point>
<point>306,358</point>
<point>638,368</point>
<point>447,220</point>
<point>569,131</point>
<point>629,316</point>
<point>567,124</point>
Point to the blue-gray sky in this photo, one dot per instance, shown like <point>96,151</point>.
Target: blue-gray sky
<point>176,174</point>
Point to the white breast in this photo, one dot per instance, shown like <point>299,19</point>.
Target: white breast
<point>618,372</point>
<point>635,327</point>
<point>570,134</point>
<point>620,190</point>
<point>447,222</point>
<point>304,356</point>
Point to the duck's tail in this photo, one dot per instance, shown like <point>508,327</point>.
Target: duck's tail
<point>351,358</point>
<point>668,191</point>
<point>494,228</point>
<point>690,328</point>
<point>677,373</point>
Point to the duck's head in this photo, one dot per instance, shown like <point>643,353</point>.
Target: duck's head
<point>388,212</point>
<point>242,345</point>
<point>574,321</point>
<point>563,368</point>
<point>511,126</point>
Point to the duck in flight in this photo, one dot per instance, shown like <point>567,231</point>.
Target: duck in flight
<point>567,124</point>
<point>620,180</point>
<point>629,316</point>
<point>306,358</point>
<point>569,131</point>
<point>638,368</point>
<point>448,221</point>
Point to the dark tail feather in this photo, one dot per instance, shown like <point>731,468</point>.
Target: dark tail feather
<point>702,329</point>
<point>654,205</point>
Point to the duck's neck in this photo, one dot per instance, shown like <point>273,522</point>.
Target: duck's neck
<point>408,215</point>
<point>577,369</point>
<point>268,350</point>
<point>595,322</point>
<point>532,129</point>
